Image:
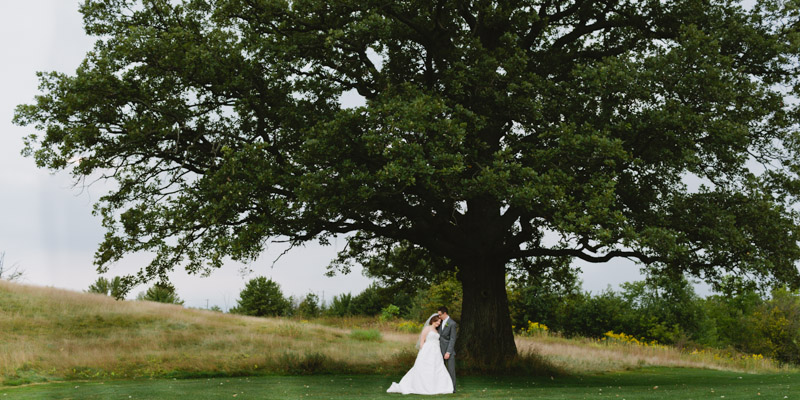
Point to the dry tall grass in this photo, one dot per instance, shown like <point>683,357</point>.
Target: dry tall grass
<point>51,333</point>
<point>58,333</point>
<point>587,356</point>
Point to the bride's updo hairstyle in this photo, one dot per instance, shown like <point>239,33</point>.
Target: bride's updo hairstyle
<point>433,319</point>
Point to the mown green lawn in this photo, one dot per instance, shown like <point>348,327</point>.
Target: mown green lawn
<point>649,383</point>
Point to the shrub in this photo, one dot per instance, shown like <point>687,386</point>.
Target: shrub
<point>309,307</point>
<point>443,292</point>
<point>777,327</point>
<point>541,297</point>
<point>261,297</point>
<point>591,316</point>
<point>730,313</point>
<point>111,288</point>
<point>389,312</point>
<point>664,308</point>
<point>100,286</point>
<point>366,335</point>
<point>162,292</point>
<point>368,302</point>
<point>340,305</point>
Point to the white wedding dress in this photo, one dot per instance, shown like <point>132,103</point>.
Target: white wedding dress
<point>428,375</point>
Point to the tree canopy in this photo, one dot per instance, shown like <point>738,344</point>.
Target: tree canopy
<point>490,131</point>
<point>262,297</point>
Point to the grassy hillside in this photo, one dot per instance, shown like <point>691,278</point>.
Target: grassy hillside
<point>54,334</point>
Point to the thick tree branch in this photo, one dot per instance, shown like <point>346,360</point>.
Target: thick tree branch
<point>579,253</point>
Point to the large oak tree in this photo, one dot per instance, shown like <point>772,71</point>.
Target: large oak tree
<point>665,132</point>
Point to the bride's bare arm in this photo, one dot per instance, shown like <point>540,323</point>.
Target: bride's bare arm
<point>424,336</point>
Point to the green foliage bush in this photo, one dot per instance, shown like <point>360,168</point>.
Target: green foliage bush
<point>162,292</point>
<point>751,324</point>
<point>538,296</point>
<point>730,313</point>
<point>659,308</point>
<point>309,307</point>
<point>368,302</point>
<point>340,306</point>
<point>591,316</point>
<point>445,291</point>
<point>390,312</point>
<point>100,286</point>
<point>113,287</point>
<point>780,326</point>
<point>665,309</point>
<point>366,335</point>
<point>669,311</point>
<point>262,297</point>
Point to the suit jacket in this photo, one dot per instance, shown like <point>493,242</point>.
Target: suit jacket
<point>447,337</point>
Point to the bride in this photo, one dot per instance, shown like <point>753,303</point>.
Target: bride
<point>428,375</point>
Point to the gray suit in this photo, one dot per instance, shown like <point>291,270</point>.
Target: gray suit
<point>447,341</point>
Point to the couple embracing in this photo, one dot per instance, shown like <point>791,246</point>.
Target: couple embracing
<point>434,370</point>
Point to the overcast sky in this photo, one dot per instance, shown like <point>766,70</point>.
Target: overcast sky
<point>46,226</point>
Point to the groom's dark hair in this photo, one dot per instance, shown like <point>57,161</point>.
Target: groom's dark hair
<point>444,309</point>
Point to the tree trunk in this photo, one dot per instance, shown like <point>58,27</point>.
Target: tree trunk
<point>485,337</point>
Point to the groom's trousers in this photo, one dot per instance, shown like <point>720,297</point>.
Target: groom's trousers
<point>451,368</point>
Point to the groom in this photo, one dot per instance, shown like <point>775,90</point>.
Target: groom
<point>447,341</point>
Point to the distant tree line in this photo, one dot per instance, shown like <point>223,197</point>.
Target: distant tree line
<point>662,308</point>
<point>668,310</point>
<point>263,297</point>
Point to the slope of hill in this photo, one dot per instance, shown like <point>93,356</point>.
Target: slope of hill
<point>53,334</point>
